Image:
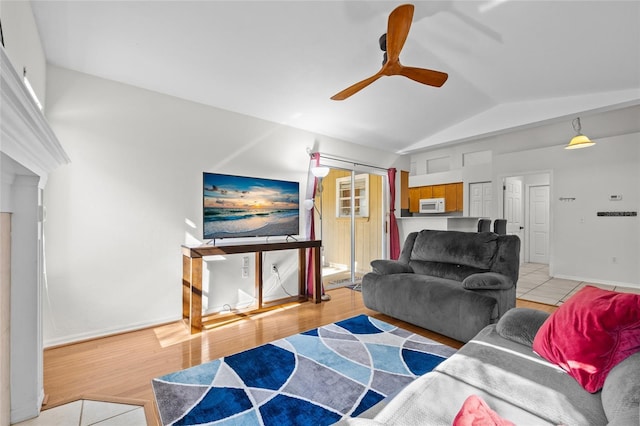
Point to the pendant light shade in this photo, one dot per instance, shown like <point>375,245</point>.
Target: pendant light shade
<point>579,140</point>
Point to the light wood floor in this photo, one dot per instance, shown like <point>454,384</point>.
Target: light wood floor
<point>121,367</point>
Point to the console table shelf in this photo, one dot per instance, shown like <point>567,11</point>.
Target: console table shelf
<point>192,278</point>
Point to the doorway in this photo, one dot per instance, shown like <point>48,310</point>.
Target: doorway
<point>526,206</point>
<point>512,193</point>
<point>352,210</point>
<point>538,224</point>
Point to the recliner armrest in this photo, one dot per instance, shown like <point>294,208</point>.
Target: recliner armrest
<point>487,281</point>
<point>388,267</point>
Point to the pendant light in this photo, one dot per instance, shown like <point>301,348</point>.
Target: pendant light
<point>579,140</point>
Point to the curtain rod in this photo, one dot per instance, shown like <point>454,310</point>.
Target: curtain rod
<point>330,157</point>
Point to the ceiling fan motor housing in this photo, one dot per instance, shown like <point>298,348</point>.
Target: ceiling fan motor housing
<point>383,42</point>
<point>383,47</point>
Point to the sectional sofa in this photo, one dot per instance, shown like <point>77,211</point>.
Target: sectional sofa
<point>597,383</point>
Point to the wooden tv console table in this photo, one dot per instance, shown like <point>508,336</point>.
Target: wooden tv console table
<point>192,278</point>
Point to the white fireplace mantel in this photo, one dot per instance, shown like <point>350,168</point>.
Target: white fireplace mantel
<point>29,151</point>
<point>26,136</point>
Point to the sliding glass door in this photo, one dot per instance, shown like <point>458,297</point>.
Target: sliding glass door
<point>353,225</point>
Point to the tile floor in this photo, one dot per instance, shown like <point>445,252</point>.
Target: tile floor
<point>535,284</point>
<point>86,412</point>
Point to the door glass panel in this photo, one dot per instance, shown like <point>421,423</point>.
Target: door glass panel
<point>336,233</point>
<point>341,266</point>
<point>369,225</point>
<point>360,194</point>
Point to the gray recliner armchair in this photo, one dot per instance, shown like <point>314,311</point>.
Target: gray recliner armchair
<point>454,283</point>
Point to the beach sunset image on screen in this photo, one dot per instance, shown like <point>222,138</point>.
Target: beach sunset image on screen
<point>242,206</point>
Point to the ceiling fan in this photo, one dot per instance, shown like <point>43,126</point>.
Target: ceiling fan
<point>391,43</point>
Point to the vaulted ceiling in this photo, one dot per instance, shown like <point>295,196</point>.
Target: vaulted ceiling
<point>511,64</point>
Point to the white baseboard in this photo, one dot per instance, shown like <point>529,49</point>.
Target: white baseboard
<point>74,338</point>
<point>596,281</point>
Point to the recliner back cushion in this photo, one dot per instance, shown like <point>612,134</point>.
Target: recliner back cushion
<point>449,271</point>
<point>461,248</point>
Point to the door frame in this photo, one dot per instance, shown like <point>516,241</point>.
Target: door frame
<point>384,207</point>
<point>524,245</point>
<point>520,232</point>
<point>528,202</point>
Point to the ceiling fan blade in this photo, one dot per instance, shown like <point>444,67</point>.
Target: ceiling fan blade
<point>423,75</point>
<point>392,43</point>
<point>355,88</point>
<point>398,30</point>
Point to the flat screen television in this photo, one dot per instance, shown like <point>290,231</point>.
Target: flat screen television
<point>243,206</point>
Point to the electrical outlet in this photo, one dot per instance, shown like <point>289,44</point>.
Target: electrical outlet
<point>245,267</point>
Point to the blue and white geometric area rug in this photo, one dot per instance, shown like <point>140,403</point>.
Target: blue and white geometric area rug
<point>313,378</point>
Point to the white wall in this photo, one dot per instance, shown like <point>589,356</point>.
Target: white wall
<point>458,170</point>
<point>224,286</point>
<point>582,245</point>
<point>22,43</point>
<point>118,214</point>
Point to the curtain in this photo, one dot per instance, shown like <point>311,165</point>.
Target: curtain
<point>394,237</point>
<point>310,231</point>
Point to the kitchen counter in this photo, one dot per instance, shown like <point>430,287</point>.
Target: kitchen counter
<point>409,224</point>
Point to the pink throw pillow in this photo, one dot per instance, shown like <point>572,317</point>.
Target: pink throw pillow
<point>476,412</point>
<point>590,334</point>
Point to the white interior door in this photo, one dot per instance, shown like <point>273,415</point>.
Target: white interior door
<point>513,208</point>
<point>487,199</point>
<point>480,199</point>
<point>539,224</point>
<point>475,199</point>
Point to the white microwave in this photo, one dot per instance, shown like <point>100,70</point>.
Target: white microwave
<point>432,205</point>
